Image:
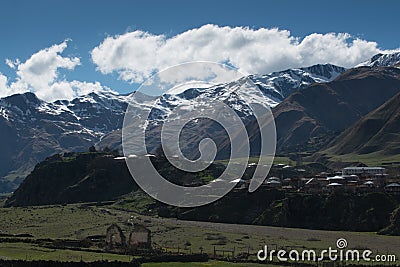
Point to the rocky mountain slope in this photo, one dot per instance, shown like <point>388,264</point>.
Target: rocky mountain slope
<point>93,176</point>
<point>310,118</point>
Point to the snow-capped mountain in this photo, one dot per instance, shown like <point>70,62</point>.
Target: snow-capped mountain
<point>278,85</point>
<point>382,60</point>
<point>32,129</point>
<point>95,114</point>
<point>270,89</point>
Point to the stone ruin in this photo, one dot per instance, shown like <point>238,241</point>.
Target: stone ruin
<point>139,239</point>
<point>115,238</point>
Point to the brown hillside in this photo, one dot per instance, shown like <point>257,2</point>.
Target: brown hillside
<point>310,118</point>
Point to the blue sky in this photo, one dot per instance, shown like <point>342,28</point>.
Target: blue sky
<point>30,26</point>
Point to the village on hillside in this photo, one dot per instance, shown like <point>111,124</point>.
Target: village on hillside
<point>350,179</point>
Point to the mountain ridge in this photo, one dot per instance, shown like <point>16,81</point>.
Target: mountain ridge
<point>271,88</point>
<point>321,111</point>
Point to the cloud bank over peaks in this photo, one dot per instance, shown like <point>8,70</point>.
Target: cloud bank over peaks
<point>138,54</point>
<point>40,74</point>
<point>135,56</point>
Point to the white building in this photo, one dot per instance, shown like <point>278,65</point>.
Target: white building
<point>363,171</point>
<point>273,182</point>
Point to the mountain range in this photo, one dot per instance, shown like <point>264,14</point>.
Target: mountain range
<point>33,129</point>
<point>270,89</point>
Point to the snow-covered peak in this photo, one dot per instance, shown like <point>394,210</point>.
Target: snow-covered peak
<point>281,84</point>
<point>269,89</point>
<point>95,113</point>
<point>382,60</point>
<point>102,112</point>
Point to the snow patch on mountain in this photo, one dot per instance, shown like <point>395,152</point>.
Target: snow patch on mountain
<point>281,84</point>
<point>269,89</point>
<point>93,111</point>
<point>382,60</point>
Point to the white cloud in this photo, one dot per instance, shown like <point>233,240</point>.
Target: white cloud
<point>84,88</point>
<point>3,83</point>
<point>58,90</point>
<point>40,75</point>
<point>16,87</point>
<point>40,71</point>
<point>12,64</point>
<point>136,55</point>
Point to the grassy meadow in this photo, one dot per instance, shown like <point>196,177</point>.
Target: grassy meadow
<point>78,221</point>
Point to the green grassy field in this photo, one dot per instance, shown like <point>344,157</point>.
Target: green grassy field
<point>22,251</point>
<point>79,221</point>
<point>277,160</point>
<point>73,221</point>
<point>372,159</point>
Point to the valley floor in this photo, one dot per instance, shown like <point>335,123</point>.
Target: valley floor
<point>78,221</point>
